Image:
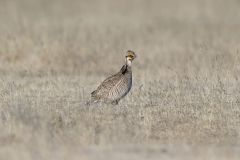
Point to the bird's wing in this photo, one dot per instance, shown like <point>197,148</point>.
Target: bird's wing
<point>108,84</point>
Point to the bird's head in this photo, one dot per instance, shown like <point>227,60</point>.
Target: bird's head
<point>130,56</point>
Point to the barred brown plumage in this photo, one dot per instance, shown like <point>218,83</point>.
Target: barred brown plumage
<point>115,87</point>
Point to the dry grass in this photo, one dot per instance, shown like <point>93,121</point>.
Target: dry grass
<point>185,99</point>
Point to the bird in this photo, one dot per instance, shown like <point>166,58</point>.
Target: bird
<point>117,86</point>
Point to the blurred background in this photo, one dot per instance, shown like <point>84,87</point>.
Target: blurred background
<point>76,37</point>
<point>184,103</point>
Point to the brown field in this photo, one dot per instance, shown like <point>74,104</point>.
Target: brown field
<point>185,100</point>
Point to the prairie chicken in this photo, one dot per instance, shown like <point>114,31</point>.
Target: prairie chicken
<point>115,87</point>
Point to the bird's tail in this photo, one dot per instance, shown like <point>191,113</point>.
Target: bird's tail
<point>91,101</point>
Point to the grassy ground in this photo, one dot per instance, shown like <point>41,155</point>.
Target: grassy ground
<point>185,99</point>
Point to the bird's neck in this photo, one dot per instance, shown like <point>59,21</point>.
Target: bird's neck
<point>128,63</point>
<point>127,67</point>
